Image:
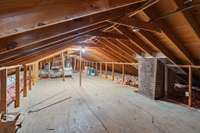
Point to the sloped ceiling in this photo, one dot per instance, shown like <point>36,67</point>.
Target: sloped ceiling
<point>113,30</point>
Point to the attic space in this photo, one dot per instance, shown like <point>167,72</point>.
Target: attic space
<point>99,66</point>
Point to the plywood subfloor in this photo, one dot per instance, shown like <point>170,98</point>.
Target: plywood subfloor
<point>101,106</point>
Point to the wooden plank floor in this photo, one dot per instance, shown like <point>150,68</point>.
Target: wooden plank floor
<point>101,106</point>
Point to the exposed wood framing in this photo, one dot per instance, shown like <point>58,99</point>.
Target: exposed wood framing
<point>123,73</point>
<point>122,47</point>
<point>63,65</point>
<point>30,77</point>
<point>84,21</point>
<point>3,91</point>
<point>119,49</point>
<point>155,41</point>
<point>113,71</point>
<point>100,69</point>
<point>189,17</point>
<point>25,89</point>
<point>190,87</point>
<point>134,23</point>
<point>108,35</point>
<point>177,43</point>
<point>106,69</point>
<point>17,90</point>
<point>80,69</point>
<point>111,46</point>
<point>135,39</point>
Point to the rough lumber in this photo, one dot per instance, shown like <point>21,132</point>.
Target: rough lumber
<point>17,90</point>
<point>25,89</point>
<point>123,73</point>
<point>47,43</point>
<point>30,77</point>
<point>190,87</point>
<point>108,35</point>
<point>134,23</point>
<point>76,23</point>
<point>3,91</point>
<point>134,39</point>
<point>111,51</point>
<point>63,66</point>
<point>121,50</point>
<point>113,71</point>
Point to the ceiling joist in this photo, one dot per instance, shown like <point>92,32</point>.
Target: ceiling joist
<point>136,24</point>
<point>108,35</point>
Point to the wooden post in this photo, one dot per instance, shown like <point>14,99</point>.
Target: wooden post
<point>49,68</point>
<point>190,87</point>
<point>17,90</point>
<point>25,91</point>
<point>100,69</point>
<point>106,69</point>
<point>83,64</point>
<point>123,73</point>
<point>96,66</point>
<point>113,71</point>
<point>74,64</point>
<point>30,78</point>
<point>3,91</point>
<point>63,66</point>
<point>40,65</point>
<point>166,80</point>
<point>35,72</point>
<point>80,70</point>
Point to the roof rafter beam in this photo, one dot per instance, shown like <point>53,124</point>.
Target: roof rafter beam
<point>188,16</point>
<point>177,43</point>
<point>53,41</point>
<point>154,41</point>
<point>108,35</point>
<point>109,52</point>
<point>119,48</point>
<point>69,25</point>
<point>131,46</point>
<point>112,51</point>
<point>134,39</point>
<point>136,24</point>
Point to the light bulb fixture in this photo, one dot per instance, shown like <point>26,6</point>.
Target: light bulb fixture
<point>82,49</point>
<point>136,29</point>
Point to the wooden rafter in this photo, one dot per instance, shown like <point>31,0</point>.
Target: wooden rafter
<point>177,43</point>
<point>7,56</point>
<point>109,52</point>
<point>113,50</point>
<point>120,49</point>
<point>155,41</point>
<point>130,46</point>
<point>135,23</point>
<point>108,35</point>
<point>135,39</point>
<point>188,16</point>
<point>49,30</point>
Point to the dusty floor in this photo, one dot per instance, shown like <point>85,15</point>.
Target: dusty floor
<point>101,106</point>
